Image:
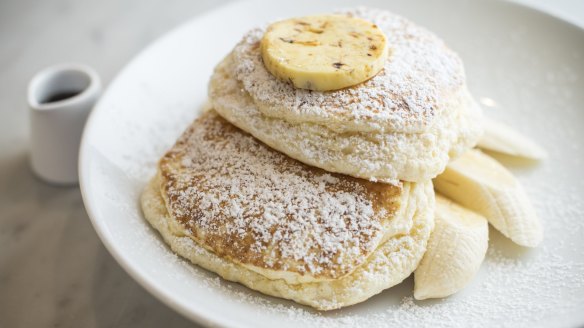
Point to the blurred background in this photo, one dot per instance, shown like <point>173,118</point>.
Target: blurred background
<point>54,271</point>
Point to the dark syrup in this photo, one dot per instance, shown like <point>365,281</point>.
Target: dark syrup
<point>60,96</point>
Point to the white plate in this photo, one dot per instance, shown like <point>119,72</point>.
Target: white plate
<point>526,68</point>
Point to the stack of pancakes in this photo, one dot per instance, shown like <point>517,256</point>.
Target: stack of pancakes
<point>324,198</point>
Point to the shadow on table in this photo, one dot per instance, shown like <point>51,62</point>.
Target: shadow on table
<point>53,266</point>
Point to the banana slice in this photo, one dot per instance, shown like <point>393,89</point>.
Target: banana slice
<point>480,183</point>
<point>324,53</point>
<point>455,251</point>
<point>501,138</point>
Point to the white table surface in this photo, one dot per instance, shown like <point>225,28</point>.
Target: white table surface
<point>54,271</point>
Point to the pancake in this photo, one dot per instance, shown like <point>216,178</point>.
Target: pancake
<point>234,206</point>
<point>405,123</point>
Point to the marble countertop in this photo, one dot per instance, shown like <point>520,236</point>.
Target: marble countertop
<point>54,271</point>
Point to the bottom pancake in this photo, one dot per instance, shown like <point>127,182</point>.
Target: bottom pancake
<point>390,263</point>
<point>233,205</point>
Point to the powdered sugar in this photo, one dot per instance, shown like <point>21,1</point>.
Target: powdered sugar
<point>377,156</point>
<point>231,191</point>
<point>509,292</point>
<point>403,97</point>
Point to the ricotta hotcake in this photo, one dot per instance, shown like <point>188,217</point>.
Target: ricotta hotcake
<point>228,202</point>
<point>405,123</point>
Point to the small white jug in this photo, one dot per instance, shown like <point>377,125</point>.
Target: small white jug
<point>60,98</point>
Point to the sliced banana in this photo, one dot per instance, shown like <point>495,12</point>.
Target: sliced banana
<point>323,53</point>
<point>480,183</point>
<point>501,138</point>
<point>455,251</point>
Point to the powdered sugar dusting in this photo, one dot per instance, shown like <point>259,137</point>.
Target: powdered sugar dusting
<point>541,283</point>
<point>514,288</point>
<point>231,191</point>
<point>404,96</point>
<point>383,156</point>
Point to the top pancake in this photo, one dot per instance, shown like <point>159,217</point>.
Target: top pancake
<point>279,217</point>
<point>419,74</point>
